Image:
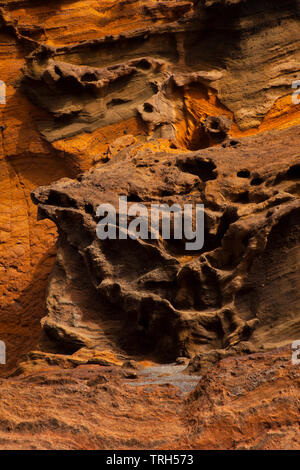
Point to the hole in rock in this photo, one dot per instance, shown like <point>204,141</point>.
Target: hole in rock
<point>293,172</point>
<point>143,64</point>
<point>89,77</point>
<point>242,197</point>
<point>205,169</point>
<point>58,71</point>
<point>89,208</point>
<point>148,108</point>
<point>243,174</point>
<point>256,181</point>
<point>134,197</point>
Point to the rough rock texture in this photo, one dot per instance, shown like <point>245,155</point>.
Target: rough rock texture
<point>91,407</point>
<point>242,286</point>
<point>161,99</point>
<point>261,411</point>
<point>167,71</point>
<point>187,71</point>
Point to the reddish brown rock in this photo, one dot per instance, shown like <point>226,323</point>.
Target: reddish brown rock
<point>97,82</point>
<point>249,402</point>
<point>139,90</point>
<point>245,402</point>
<point>243,285</point>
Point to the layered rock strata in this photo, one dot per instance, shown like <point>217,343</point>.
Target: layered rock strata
<point>242,287</point>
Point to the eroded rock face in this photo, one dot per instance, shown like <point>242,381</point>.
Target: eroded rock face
<point>160,100</point>
<point>247,402</point>
<point>229,50</point>
<point>255,394</point>
<point>242,287</point>
<point>80,76</point>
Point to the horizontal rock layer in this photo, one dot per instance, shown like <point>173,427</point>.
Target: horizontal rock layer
<point>161,99</point>
<point>242,286</point>
<point>81,406</point>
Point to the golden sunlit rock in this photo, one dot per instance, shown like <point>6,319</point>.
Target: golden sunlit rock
<point>175,102</point>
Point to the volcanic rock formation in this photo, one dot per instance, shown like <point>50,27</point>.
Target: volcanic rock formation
<point>243,286</point>
<point>163,102</point>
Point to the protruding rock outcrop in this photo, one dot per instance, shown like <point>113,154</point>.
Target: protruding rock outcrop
<point>167,101</point>
<point>153,295</point>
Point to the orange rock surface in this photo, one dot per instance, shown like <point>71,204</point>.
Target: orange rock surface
<point>97,407</point>
<point>80,76</point>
